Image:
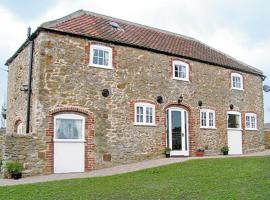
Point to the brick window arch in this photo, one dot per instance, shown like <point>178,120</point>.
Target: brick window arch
<point>89,136</point>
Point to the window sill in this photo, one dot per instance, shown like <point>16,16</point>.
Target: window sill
<point>101,66</point>
<point>234,129</point>
<point>239,89</point>
<point>180,79</point>
<point>68,141</point>
<point>151,125</point>
<point>249,129</point>
<point>211,128</point>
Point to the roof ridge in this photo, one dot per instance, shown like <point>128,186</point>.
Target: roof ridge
<point>137,24</point>
<point>62,19</point>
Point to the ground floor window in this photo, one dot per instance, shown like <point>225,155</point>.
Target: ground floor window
<point>207,118</point>
<point>144,114</point>
<point>251,121</point>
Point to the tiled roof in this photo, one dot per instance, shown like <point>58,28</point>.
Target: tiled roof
<point>98,26</point>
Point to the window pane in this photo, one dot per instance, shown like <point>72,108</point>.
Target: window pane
<point>182,71</point>
<point>95,60</point>
<point>233,121</point>
<point>211,119</point>
<point>176,71</point>
<point>101,53</point>
<point>100,61</point>
<point>247,121</point>
<point>253,122</point>
<point>95,52</point>
<point>149,116</point>
<point>68,129</point>
<point>203,118</point>
<point>139,114</point>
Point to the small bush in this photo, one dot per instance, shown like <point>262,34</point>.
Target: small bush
<point>14,167</point>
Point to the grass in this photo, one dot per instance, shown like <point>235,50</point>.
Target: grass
<point>230,178</point>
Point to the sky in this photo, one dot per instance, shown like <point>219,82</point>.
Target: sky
<point>240,28</point>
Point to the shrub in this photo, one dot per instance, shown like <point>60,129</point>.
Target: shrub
<point>14,167</point>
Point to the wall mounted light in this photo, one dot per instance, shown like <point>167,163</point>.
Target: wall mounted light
<point>200,103</point>
<point>159,99</point>
<point>105,93</point>
<point>180,99</point>
<point>231,106</point>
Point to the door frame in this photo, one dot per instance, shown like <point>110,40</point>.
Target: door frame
<point>238,130</point>
<point>66,144</point>
<point>169,134</point>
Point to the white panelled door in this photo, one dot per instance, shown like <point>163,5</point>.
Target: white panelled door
<point>69,143</point>
<point>234,133</point>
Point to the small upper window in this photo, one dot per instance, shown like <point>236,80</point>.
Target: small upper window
<point>69,126</point>
<point>237,81</point>
<point>251,121</point>
<point>180,70</point>
<point>144,114</point>
<point>207,118</point>
<point>19,128</point>
<point>101,56</point>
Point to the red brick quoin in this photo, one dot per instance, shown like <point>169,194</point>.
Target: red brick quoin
<point>89,136</point>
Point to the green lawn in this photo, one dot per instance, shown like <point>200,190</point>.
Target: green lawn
<point>230,178</point>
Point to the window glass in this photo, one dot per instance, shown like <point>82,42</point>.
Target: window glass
<point>68,129</point>
<point>139,114</point>
<point>234,121</point>
<point>247,121</point>
<point>182,70</point>
<point>19,128</point>
<point>211,119</point>
<point>203,119</point>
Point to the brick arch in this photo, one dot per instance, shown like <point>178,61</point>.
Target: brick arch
<point>191,125</point>
<point>89,136</point>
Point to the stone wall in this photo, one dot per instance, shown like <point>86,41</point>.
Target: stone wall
<point>267,139</point>
<point>25,149</point>
<point>63,78</point>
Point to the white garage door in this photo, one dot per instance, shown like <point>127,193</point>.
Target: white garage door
<point>234,133</point>
<point>69,148</point>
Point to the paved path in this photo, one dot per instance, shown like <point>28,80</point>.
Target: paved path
<point>116,170</point>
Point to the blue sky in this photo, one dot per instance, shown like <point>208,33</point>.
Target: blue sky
<point>240,28</point>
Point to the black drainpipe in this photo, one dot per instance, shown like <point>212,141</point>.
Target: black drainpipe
<point>29,79</point>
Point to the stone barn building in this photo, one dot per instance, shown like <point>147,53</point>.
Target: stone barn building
<point>89,91</point>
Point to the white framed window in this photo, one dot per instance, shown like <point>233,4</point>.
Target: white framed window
<point>251,121</point>
<point>207,118</point>
<point>237,81</point>
<point>144,114</point>
<point>180,70</point>
<point>19,128</point>
<point>101,56</point>
<point>69,127</point>
<point>234,120</point>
